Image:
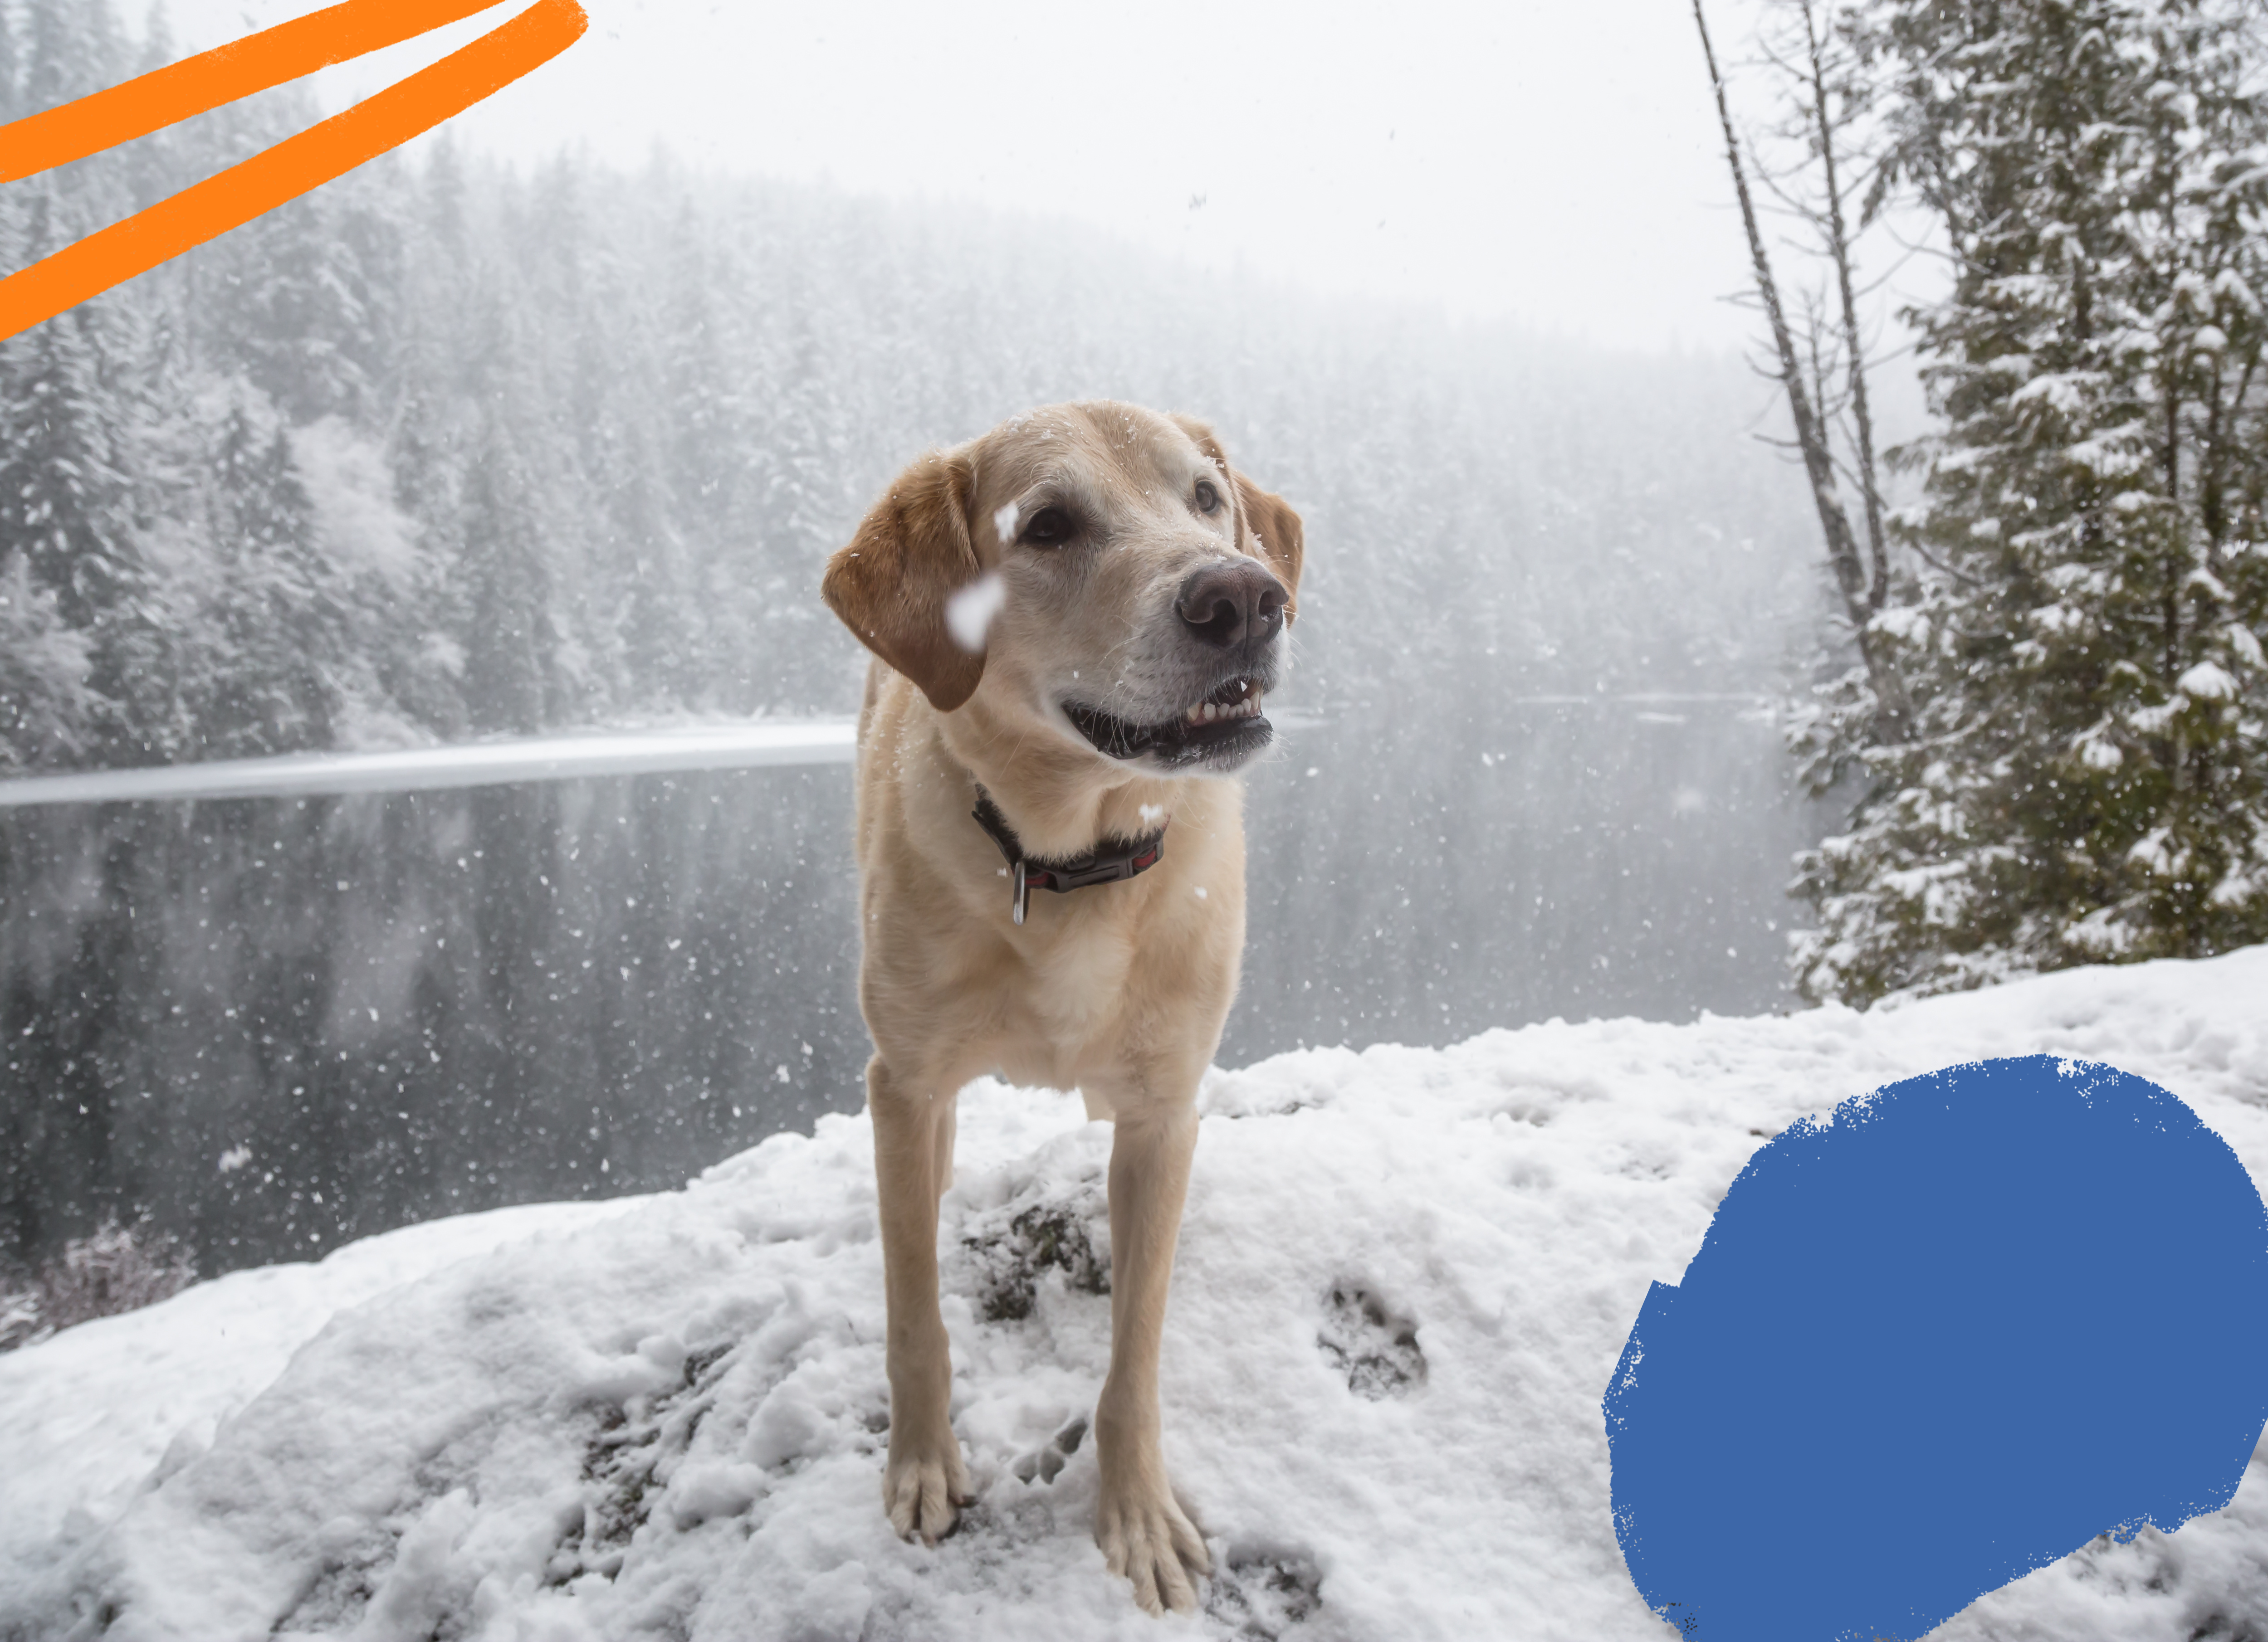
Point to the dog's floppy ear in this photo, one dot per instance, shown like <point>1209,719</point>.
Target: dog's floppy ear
<point>1274,526</point>
<point>890,584</point>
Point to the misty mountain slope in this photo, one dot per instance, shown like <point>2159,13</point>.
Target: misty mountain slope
<point>447,450</point>
<point>1404,1278</point>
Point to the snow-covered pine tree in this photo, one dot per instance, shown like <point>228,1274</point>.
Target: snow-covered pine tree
<point>73,500</point>
<point>153,169</point>
<point>2087,778</point>
<point>280,623</point>
<point>705,450</point>
<point>65,467</point>
<point>11,68</point>
<point>69,47</point>
<point>511,642</point>
<point>47,710</point>
<point>62,412</point>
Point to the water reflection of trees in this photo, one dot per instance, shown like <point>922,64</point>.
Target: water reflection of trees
<point>276,1025</point>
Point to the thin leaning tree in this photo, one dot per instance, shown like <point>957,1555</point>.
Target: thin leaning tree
<point>1821,358</point>
<point>1828,183</point>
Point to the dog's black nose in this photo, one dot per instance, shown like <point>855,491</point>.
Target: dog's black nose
<point>1232,602</point>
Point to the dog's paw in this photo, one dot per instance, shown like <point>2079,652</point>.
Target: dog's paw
<point>923,1487</point>
<point>1148,1539</point>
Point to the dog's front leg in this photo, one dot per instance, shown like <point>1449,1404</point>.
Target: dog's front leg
<point>923,1481</point>
<point>1143,1532</point>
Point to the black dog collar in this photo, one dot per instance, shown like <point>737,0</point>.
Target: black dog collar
<point>1105,863</point>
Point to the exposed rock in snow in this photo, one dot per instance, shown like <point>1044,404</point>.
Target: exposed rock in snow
<point>1405,1277</point>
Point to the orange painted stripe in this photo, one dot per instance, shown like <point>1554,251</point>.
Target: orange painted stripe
<point>291,167</point>
<point>57,136</point>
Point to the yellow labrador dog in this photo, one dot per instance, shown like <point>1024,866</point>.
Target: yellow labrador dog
<point>1076,616</point>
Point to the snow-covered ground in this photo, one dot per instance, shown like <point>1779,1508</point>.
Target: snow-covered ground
<point>1405,1277</point>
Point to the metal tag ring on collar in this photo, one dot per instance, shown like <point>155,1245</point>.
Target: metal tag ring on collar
<point>1107,862</point>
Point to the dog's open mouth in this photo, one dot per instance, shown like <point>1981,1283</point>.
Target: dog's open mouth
<point>1225,727</point>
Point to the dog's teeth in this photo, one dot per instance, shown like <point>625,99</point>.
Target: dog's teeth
<point>1246,706</point>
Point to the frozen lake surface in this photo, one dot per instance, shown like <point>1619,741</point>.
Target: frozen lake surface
<point>745,745</point>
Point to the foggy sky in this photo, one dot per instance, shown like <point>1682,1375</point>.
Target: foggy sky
<point>1554,164</point>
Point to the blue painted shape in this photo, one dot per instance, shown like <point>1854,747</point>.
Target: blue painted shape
<point>1946,1338</point>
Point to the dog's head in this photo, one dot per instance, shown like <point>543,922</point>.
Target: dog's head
<point>1097,568</point>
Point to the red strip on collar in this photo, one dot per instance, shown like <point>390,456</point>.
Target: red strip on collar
<point>1107,862</point>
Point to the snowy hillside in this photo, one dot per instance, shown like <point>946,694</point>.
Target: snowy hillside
<point>1405,1277</point>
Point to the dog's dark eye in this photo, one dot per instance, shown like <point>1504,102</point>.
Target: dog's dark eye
<point>1050,527</point>
<point>1208,498</point>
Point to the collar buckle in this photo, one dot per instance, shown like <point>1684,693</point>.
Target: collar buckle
<point>1107,862</point>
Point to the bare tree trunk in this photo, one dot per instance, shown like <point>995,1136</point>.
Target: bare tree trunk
<point>2225,411</point>
<point>1838,250</point>
<point>1892,712</point>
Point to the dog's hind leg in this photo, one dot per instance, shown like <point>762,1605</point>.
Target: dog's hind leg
<point>923,1481</point>
<point>1144,1534</point>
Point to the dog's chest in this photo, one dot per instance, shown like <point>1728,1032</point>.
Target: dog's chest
<point>1078,984</point>
<point>1083,992</point>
